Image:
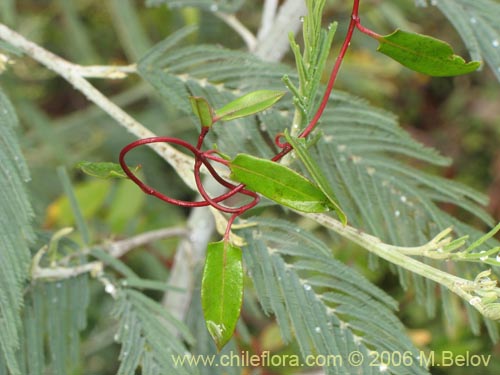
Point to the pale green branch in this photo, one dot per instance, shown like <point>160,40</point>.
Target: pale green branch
<point>59,268</point>
<point>58,273</point>
<point>75,74</point>
<point>441,247</point>
<point>482,293</point>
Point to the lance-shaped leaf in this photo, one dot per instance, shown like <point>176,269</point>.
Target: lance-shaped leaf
<point>424,54</point>
<point>278,183</point>
<point>222,290</point>
<point>249,104</point>
<point>103,169</point>
<point>299,145</point>
<point>202,110</point>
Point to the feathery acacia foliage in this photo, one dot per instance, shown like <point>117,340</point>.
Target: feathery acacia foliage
<point>54,315</point>
<point>326,306</point>
<point>477,24</point>
<point>146,341</point>
<point>15,234</point>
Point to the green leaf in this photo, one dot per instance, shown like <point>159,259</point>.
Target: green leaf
<point>253,102</point>
<point>202,110</point>
<point>424,54</point>
<point>279,183</point>
<point>222,290</point>
<point>299,145</point>
<point>103,169</point>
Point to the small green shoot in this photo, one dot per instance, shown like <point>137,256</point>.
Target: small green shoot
<point>249,104</point>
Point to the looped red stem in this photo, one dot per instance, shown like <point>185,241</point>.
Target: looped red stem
<point>277,141</point>
<point>201,158</point>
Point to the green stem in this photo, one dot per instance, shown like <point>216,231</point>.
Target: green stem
<point>468,290</point>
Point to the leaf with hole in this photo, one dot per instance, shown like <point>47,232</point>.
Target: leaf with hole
<point>202,110</point>
<point>103,170</point>
<point>222,290</point>
<point>424,54</point>
<point>278,183</point>
<point>249,104</point>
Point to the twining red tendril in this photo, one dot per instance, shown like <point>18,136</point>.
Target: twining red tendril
<point>201,158</point>
<point>205,158</point>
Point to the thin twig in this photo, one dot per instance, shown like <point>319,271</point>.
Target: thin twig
<point>119,248</point>
<point>470,291</point>
<point>59,273</point>
<point>105,71</point>
<point>116,249</point>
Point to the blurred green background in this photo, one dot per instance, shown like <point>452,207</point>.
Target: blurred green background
<point>458,116</point>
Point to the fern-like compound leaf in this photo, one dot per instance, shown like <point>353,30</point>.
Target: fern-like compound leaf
<point>326,306</point>
<point>147,337</point>
<point>477,23</point>
<point>15,234</point>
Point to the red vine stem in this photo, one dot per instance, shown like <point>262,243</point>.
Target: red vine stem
<point>355,22</point>
<point>204,158</point>
<point>335,71</point>
<point>200,159</point>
